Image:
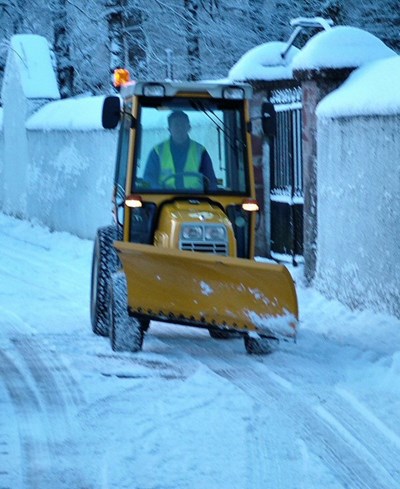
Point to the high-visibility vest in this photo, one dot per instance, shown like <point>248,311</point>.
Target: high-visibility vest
<point>192,164</point>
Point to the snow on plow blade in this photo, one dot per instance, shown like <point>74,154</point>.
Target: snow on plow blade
<point>209,290</point>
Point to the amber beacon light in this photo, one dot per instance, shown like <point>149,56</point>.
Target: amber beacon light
<point>121,77</point>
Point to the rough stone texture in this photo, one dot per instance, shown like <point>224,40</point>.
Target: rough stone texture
<point>262,245</point>
<point>358,211</point>
<point>315,86</point>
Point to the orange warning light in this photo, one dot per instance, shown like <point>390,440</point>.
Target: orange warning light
<point>121,77</point>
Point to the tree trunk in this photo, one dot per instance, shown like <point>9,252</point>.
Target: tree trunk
<point>116,33</point>
<point>137,44</point>
<point>193,39</point>
<point>65,70</point>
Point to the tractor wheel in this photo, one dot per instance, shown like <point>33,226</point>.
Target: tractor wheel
<point>260,346</point>
<point>104,262</point>
<point>145,324</point>
<point>220,334</point>
<point>126,332</point>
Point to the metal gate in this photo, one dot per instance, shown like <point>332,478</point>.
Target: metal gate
<point>286,176</point>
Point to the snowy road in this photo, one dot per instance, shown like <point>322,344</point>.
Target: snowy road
<point>188,411</point>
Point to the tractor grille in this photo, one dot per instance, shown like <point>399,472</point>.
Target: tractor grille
<point>205,247</point>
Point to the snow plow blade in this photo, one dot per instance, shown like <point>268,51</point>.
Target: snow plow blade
<point>209,290</point>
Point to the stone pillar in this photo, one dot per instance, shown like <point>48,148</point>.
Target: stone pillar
<point>29,82</point>
<point>263,234</point>
<point>316,84</point>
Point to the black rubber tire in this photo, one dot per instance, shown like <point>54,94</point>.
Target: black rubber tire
<point>260,346</point>
<point>145,323</point>
<point>220,335</point>
<point>126,332</point>
<point>104,262</point>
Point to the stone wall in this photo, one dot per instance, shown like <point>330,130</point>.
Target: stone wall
<point>359,211</point>
<point>70,179</point>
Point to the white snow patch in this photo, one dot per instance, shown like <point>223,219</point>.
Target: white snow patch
<point>264,62</point>
<point>32,56</point>
<point>79,113</point>
<point>373,89</point>
<point>341,47</point>
<point>205,288</point>
<point>280,326</point>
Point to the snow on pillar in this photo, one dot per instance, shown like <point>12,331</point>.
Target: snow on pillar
<point>29,82</point>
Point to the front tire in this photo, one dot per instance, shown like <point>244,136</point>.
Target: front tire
<point>126,332</point>
<point>260,346</point>
<point>104,262</point>
<point>220,334</point>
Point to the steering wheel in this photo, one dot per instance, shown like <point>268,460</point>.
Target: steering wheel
<point>205,181</point>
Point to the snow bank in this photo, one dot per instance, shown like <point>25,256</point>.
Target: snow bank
<point>82,113</point>
<point>56,161</point>
<point>265,62</point>
<point>32,56</point>
<point>341,47</point>
<point>373,89</point>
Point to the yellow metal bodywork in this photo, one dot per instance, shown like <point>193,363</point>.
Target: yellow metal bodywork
<point>175,213</point>
<point>209,290</point>
<point>202,289</point>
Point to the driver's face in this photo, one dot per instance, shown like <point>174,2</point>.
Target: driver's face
<point>179,129</point>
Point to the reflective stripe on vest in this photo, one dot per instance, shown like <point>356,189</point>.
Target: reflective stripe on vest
<point>192,164</point>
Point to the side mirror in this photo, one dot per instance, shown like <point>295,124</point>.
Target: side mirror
<point>111,112</point>
<point>268,119</point>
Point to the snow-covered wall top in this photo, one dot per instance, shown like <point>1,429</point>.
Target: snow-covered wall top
<point>341,47</point>
<point>83,113</point>
<point>265,62</point>
<point>32,56</point>
<point>371,90</point>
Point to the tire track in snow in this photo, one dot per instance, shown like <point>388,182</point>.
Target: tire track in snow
<point>49,432</point>
<point>10,456</point>
<point>323,435</point>
<point>362,430</point>
<point>35,452</point>
<point>366,433</point>
<point>263,447</point>
<point>56,385</point>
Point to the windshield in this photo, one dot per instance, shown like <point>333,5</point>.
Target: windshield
<point>190,145</point>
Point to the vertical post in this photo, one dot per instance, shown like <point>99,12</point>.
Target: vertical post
<point>315,86</point>
<point>169,67</point>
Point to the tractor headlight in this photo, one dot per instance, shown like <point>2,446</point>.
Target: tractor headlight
<point>215,233</point>
<point>192,232</point>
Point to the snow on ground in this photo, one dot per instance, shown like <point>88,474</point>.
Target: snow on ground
<point>188,411</point>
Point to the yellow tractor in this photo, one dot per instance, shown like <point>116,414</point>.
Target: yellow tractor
<point>181,249</point>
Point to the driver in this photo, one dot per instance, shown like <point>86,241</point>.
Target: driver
<point>179,162</point>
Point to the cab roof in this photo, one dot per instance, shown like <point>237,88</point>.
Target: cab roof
<point>212,89</point>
